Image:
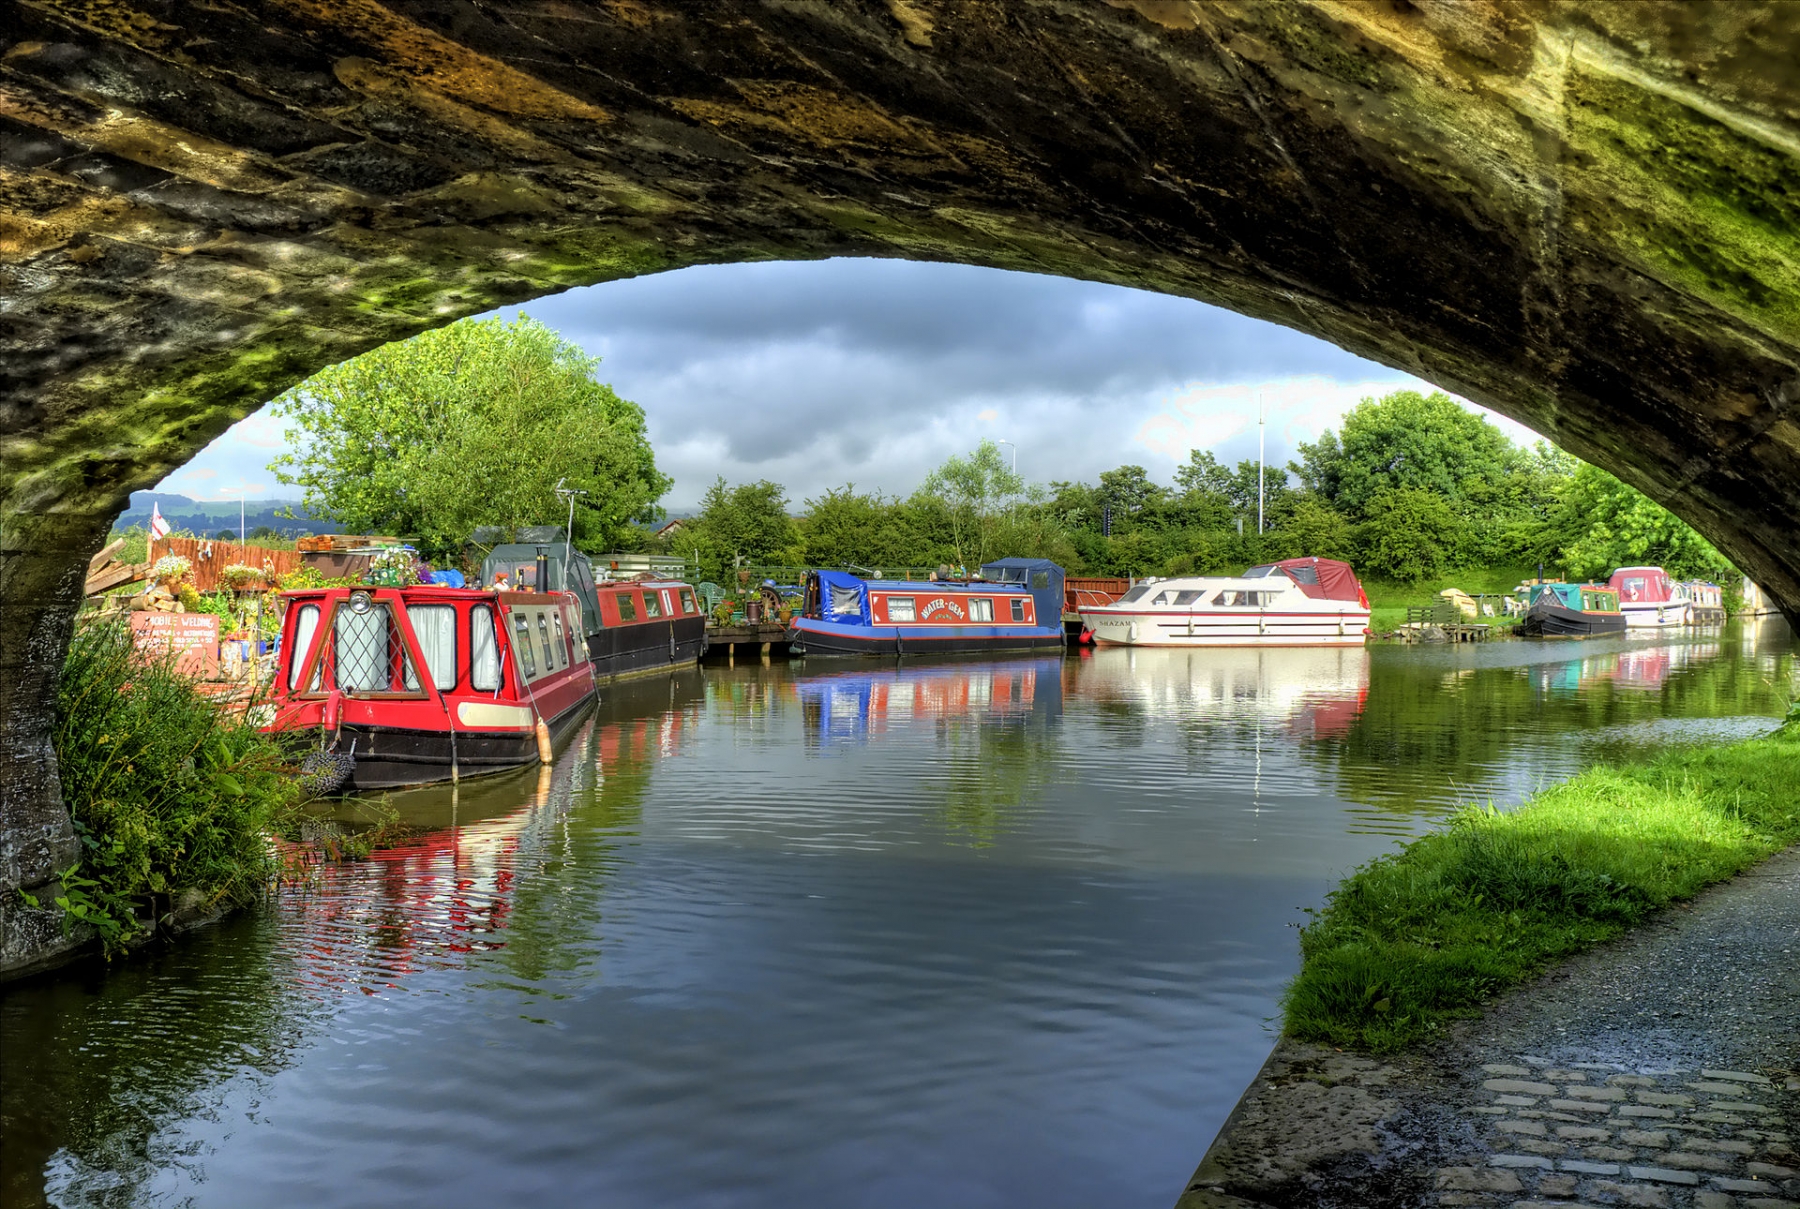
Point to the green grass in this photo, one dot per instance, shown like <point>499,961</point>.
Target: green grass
<point>1429,934</point>
<point>1389,601</point>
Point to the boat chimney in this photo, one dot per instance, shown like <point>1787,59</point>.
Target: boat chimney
<point>543,570</point>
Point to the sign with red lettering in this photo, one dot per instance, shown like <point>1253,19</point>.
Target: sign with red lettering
<point>193,636</point>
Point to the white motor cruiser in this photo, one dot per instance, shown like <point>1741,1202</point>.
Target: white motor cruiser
<point>1295,602</point>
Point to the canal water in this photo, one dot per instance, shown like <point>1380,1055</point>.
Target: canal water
<point>953,934</point>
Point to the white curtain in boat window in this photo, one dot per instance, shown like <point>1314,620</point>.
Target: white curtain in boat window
<point>362,650</point>
<point>305,626</point>
<point>435,628</point>
<point>484,651</point>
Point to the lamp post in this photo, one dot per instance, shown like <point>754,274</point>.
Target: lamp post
<point>568,493</point>
<point>1015,455</point>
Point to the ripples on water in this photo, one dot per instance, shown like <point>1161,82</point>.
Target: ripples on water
<point>952,934</point>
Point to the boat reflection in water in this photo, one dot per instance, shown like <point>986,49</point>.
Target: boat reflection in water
<point>848,708</point>
<point>452,890</point>
<point>1316,692</point>
<point>1645,669</point>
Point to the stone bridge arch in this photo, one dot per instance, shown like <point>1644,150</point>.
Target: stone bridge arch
<point>1584,214</point>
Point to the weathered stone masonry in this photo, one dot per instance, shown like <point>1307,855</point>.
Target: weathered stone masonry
<point>1585,215</point>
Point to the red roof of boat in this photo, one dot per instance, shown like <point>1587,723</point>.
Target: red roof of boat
<point>1333,580</point>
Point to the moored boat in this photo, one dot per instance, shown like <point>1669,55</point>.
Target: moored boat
<point>843,614</point>
<point>1294,602</point>
<point>1650,599</point>
<point>410,684</point>
<point>1566,610</point>
<point>1706,602</point>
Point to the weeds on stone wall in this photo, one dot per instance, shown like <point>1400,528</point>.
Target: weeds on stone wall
<point>1430,933</point>
<point>173,799</point>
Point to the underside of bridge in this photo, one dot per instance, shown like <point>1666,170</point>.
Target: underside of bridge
<point>1583,215</point>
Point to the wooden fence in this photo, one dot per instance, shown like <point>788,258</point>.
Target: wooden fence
<point>210,558</point>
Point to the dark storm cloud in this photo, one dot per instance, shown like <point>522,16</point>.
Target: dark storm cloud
<point>819,373</point>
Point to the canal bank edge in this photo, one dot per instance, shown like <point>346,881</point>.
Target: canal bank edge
<point>1573,1086</point>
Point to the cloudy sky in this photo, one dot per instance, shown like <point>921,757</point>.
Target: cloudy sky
<point>871,371</point>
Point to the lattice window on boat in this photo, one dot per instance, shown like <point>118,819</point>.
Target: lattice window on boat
<point>367,654</point>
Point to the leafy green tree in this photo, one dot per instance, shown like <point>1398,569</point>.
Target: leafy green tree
<point>749,522</point>
<point>1410,534</point>
<point>1318,529</point>
<point>1406,440</point>
<point>1608,524</point>
<point>472,424</point>
<point>1202,474</point>
<point>846,528</point>
<point>974,491</point>
<point>1129,490</point>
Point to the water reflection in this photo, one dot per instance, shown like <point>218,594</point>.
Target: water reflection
<point>885,935</point>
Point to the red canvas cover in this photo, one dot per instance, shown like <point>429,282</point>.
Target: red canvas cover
<point>1336,580</point>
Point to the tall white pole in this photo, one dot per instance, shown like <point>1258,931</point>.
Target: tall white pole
<point>241,538</point>
<point>1261,447</point>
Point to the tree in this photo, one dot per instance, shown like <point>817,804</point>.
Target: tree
<point>1607,523</point>
<point>1318,529</point>
<point>226,535</point>
<point>1411,533</point>
<point>1406,440</point>
<point>844,528</point>
<point>1202,475</point>
<point>974,491</point>
<point>1129,490</point>
<point>472,424</point>
<point>748,522</point>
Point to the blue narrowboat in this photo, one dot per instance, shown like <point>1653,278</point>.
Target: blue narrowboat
<point>1015,607</point>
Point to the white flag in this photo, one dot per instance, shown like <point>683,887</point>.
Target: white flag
<point>159,528</point>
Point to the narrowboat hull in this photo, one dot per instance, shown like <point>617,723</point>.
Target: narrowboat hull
<point>393,757</point>
<point>1663,615</point>
<point>1112,627</point>
<point>1547,619</point>
<point>645,648</point>
<point>813,638</point>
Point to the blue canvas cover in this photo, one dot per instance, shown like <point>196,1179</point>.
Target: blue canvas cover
<point>843,598</point>
<point>1039,576</point>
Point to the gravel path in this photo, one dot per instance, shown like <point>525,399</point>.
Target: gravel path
<point>1662,1070</point>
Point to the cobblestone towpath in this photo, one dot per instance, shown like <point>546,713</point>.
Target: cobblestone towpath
<point>1660,1071</point>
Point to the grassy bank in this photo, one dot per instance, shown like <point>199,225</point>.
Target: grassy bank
<point>172,799</point>
<point>1388,602</point>
<point>1428,934</point>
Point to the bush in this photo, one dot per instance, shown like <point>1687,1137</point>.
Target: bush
<point>168,794</point>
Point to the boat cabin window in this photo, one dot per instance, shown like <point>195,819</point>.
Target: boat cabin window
<point>484,651</point>
<point>1186,598</point>
<point>900,608</point>
<point>687,601</point>
<point>1136,594</point>
<point>522,645</point>
<point>1261,572</point>
<point>562,638</point>
<point>435,628</point>
<point>981,609</point>
<point>1161,598</point>
<point>305,626</point>
<point>1018,610</point>
<point>1040,579</point>
<point>1242,600</point>
<point>652,604</point>
<point>1634,588</point>
<point>627,606</point>
<point>367,654</point>
<point>543,623</point>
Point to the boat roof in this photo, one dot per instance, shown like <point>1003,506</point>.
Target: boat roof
<point>983,586</point>
<point>1321,578</point>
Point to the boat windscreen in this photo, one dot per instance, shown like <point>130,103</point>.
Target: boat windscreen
<point>1136,594</point>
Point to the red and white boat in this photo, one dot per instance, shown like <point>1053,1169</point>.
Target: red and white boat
<point>1650,599</point>
<point>408,685</point>
<point>1295,602</point>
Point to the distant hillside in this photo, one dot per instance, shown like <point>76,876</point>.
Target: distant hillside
<point>210,516</point>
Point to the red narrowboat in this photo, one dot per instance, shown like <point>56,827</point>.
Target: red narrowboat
<point>409,685</point>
